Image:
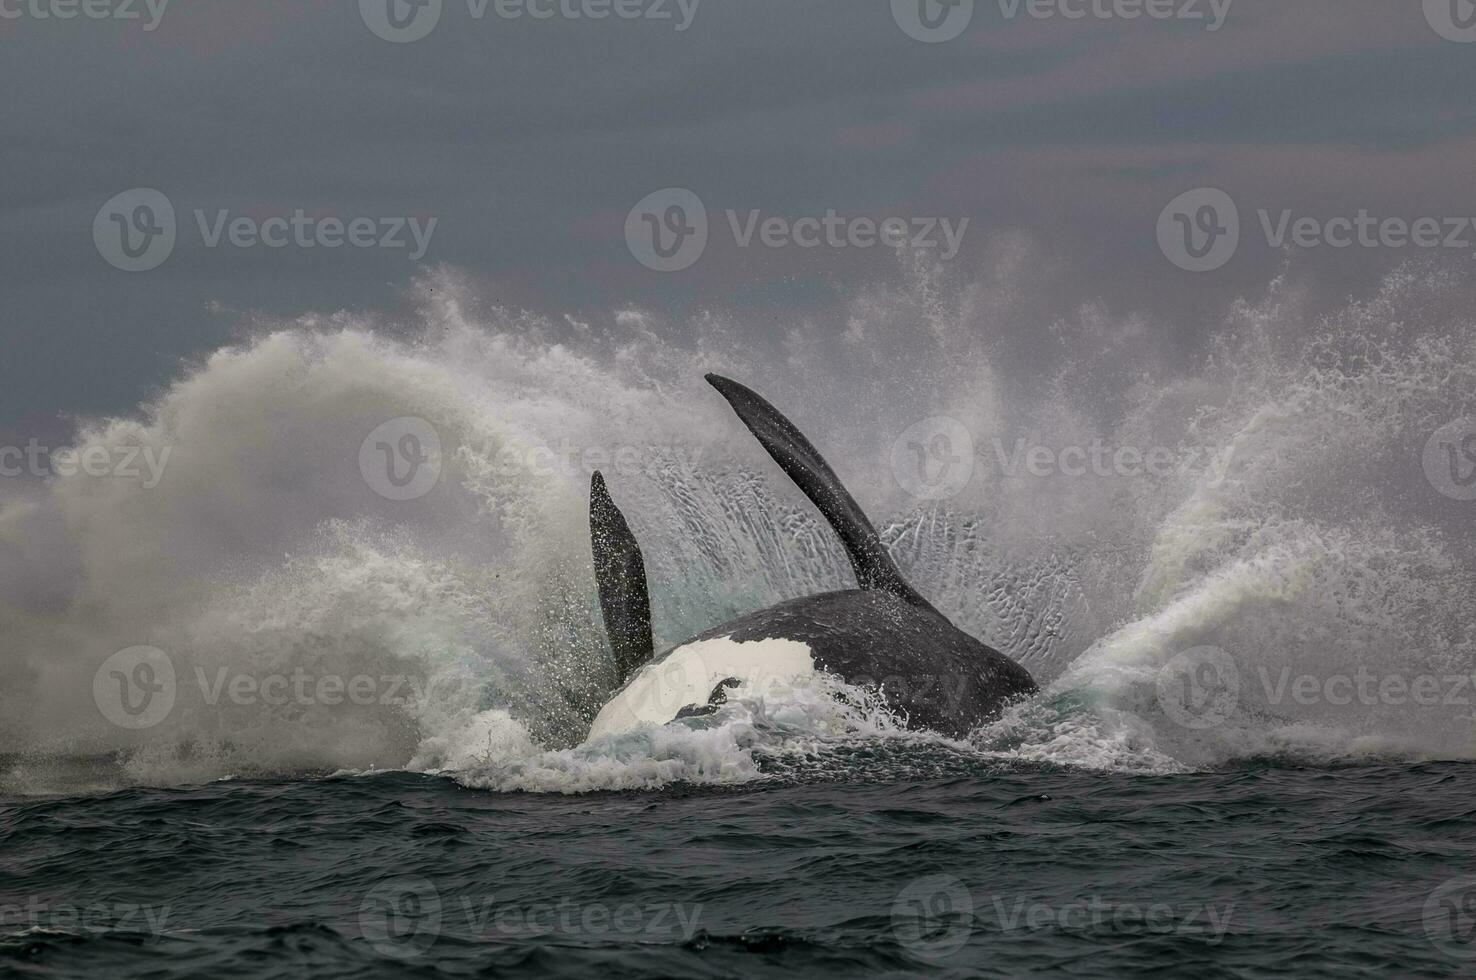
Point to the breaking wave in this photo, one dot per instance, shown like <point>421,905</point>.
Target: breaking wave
<point>1100,508</point>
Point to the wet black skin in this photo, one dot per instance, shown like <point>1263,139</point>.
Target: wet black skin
<point>883,635</point>
<point>933,674</point>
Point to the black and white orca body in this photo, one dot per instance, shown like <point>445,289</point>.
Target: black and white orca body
<point>882,635</point>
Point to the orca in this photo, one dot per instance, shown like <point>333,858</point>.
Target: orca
<point>882,635</point>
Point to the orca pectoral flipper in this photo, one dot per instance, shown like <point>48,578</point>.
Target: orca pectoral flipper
<point>808,469</point>
<point>620,572</point>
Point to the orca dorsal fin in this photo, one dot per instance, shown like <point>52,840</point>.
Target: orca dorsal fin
<point>808,469</point>
<point>620,572</point>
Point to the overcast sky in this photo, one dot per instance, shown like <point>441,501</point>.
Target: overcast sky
<point>528,140</point>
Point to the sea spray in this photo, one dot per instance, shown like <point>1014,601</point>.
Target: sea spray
<point>265,550</point>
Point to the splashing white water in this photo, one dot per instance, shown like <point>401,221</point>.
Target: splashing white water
<point>1304,540</point>
<point>781,722</point>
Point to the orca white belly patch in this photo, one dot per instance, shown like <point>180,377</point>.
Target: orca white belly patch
<point>687,675</point>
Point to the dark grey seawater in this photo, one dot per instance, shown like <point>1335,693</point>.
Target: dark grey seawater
<point>964,868</point>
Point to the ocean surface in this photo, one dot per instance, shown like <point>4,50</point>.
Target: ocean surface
<point>913,862</point>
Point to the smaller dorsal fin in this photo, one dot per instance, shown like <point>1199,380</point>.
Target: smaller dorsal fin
<point>620,572</point>
<point>805,466</point>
